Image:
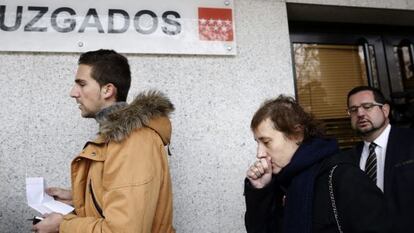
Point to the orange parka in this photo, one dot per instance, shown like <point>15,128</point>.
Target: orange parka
<point>121,181</point>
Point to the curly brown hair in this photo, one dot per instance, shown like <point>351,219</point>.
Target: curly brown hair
<point>288,117</point>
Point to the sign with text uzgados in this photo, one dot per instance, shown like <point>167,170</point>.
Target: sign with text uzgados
<point>127,26</point>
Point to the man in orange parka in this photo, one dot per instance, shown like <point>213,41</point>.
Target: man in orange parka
<point>120,181</point>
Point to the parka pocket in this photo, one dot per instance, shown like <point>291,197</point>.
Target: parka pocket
<point>95,202</point>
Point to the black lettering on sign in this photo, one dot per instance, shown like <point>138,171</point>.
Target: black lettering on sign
<point>41,11</point>
<point>97,24</point>
<point>17,21</point>
<point>169,21</point>
<point>154,22</point>
<point>70,21</point>
<point>124,14</point>
<point>64,19</point>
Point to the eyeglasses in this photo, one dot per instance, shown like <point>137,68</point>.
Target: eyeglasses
<point>366,106</point>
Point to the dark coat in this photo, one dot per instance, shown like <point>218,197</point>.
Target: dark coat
<point>398,177</point>
<point>359,202</point>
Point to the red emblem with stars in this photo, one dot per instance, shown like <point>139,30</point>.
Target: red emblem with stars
<point>215,24</point>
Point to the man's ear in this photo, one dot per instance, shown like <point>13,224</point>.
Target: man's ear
<point>386,110</point>
<point>109,91</point>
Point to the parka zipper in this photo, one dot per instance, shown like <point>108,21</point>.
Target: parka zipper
<point>95,203</point>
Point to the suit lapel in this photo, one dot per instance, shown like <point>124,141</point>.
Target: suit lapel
<point>390,158</point>
<point>356,153</point>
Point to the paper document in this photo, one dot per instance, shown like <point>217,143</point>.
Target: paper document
<point>39,200</point>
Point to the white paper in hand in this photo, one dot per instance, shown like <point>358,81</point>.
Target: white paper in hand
<point>39,200</point>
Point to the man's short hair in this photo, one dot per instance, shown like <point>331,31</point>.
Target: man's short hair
<point>109,66</point>
<point>378,96</point>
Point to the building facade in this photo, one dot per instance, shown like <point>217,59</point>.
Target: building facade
<point>284,46</point>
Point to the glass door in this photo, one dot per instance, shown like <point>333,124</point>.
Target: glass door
<point>327,66</point>
<point>324,75</point>
<point>399,51</point>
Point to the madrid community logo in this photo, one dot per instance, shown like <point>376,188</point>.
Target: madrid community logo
<point>215,24</point>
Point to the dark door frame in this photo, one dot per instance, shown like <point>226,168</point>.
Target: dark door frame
<point>381,37</point>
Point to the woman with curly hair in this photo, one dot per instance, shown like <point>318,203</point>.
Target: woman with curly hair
<point>301,183</point>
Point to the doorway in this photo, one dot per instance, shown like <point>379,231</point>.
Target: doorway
<point>330,59</point>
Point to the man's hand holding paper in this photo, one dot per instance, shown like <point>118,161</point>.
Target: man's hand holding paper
<point>59,194</point>
<point>41,201</point>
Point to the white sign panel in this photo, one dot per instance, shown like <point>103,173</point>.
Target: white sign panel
<point>127,26</point>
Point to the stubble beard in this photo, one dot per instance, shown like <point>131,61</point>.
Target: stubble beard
<point>87,113</point>
<point>372,129</point>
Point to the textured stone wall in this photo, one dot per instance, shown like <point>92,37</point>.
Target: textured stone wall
<point>215,97</point>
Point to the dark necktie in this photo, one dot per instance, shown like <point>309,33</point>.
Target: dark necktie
<point>371,165</point>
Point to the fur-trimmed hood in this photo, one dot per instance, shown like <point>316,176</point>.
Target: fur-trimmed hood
<point>148,109</point>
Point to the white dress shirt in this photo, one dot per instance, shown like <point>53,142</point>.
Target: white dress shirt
<point>380,150</point>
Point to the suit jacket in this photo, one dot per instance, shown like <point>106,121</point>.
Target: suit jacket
<point>398,177</point>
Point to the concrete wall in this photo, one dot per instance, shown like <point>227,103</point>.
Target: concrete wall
<point>215,97</point>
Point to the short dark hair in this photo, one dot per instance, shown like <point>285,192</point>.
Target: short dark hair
<point>378,96</point>
<point>109,66</point>
<point>286,114</point>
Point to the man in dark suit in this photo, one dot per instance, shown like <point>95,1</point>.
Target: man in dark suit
<point>386,153</point>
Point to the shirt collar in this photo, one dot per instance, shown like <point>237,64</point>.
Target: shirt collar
<point>382,140</point>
